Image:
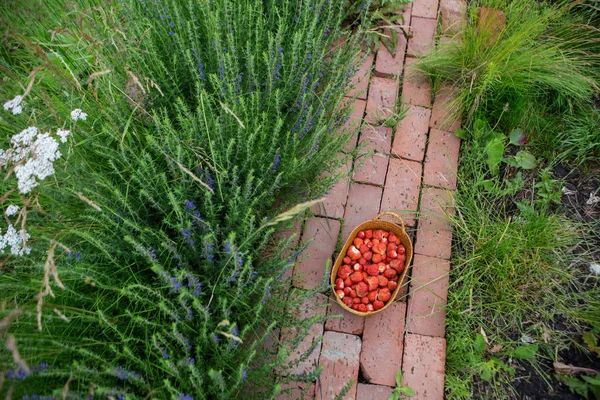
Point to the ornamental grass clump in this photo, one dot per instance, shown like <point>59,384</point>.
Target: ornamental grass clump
<point>153,270</point>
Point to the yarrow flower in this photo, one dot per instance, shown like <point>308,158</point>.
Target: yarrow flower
<point>14,239</point>
<point>63,135</point>
<point>14,105</point>
<point>77,114</point>
<point>11,210</point>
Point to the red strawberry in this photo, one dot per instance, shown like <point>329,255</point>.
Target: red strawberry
<point>401,250</point>
<point>339,284</point>
<point>357,267</point>
<point>369,233</point>
<point>375,242</point>
<point>356,276</point>
<point>368,255</point>
<point>377,258</point>
<point>365,275</point>
<point>348,301</point>
<point>340,293</point>
<point>370,308</point>
<point>357,300</point>
<point>363,249</point>
<point>365,300</point>
<point>383,281</point>
<point>362,261</point>
<point>355,307</point>
<point>357,242</point>
<point>372,282</point>
<point>352,293</point>
<point>397,265</point>
<point>353,253</point>
<point>347,291</point>
<point>361,234</point>
<point>384,294</point>
<point>362,308</point>
<point>347,260</point>
<point>392,254</point>
<point>362,289</point>
<point>390,273</point>
<point>392,285</point>
<point>372,296</point>
<point>394,279</point>
<point>344,271</point>
<point>348,282</point>
<point>378,305</point>
<point>382,267</point>
<point>391,246</point>
<point>372,270</point>
<point>378,234</point>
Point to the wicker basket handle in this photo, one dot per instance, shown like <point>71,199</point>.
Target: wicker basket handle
<point>393,214</point>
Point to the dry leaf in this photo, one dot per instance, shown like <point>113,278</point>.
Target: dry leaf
<point>568,369</point>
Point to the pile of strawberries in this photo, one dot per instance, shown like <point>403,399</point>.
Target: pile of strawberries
<point>370,270</point>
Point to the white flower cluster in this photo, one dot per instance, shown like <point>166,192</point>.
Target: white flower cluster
<point>14,105</point>
<point>77,114</point>
<point>14,239</point>
<point>11,210</point>
<point>33,154</point>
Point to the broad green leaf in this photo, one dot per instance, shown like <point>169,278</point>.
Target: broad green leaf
<point>462,133</point>
<point>525,160</point>
<point>525,351</point>
<point>590,340</point>
<point>399,378</point>
<point>407,391</point>
<point>594,381</point>
<point>494,151</point>
<point>480,344</point>
<point>517,137</point>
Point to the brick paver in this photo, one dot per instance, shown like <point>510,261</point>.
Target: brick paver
<point>434,236</point>
<point>297,390</point>
<point>423,366</point>
<point>373,392</point>
<point>349,323</point>
<point>381,104</point>
<point>363,205</point>
<point>411,134</point>
<point>443,108</point>
<point>373,169</point>
<point>387,66</point>
<point>441,159</point>
<point>401,192</point>
<point>309,271</point>
<point>339,359</point>
<point>354,122</point>
<point>416,88</point>
<point>335,200</point>
<point>453,15</point>
<point>381,355</point>
<point>425,8</point>
<point>423,32</point>
<point>428,295</point>
<point>360,81</point>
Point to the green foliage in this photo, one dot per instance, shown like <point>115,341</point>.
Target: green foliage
<point>400,391</point>
<point>585,386</point>
<point>206,121</point>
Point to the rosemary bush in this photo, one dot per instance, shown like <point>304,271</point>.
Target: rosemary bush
<point>204,121</point>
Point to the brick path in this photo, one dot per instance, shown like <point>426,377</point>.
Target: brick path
<point>412,172</point>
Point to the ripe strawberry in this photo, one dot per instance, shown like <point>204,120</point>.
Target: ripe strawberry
<point>362,308</point>
<point>395,279</point>
<point>353,293</point>
<point>370,308</point>
<point>353,253</point>
<point>348,301</point>
<point>347,260</point>
<point>361,234</point>
<point>365,275</point>
<point>378,234</point>
<point>392,285</point>
<point>365,300</point>
<point>347,291</point>
<point>390,273</point>
<point>357,300</point>
<point>363,249</point>
<point>372,282</point>
<point>340,293</point>
<point>377,258</point>
<point>362,289</point>
<point>375,242</point>
<point>383,281</point>
<point>401,250</point>
<point>348,282</point>
<point>339,284</point>
<point>344,271</point>
<point>362,261</point>
<point>384,241</point>
<point>369,244</point>
<point>384,294</point>
<point>378,305</point>
<point>391,246</point>
<point>372,296</point>
<point>382,267</point>
<point>392,238</point>
<point>368,255</point>
<point>397,265</point>
<point>357,267</point>
<point>356,276</point>
<point>355,307</point>
<point>369,233</point>
<point>372,270</point>
<point>392,254</point>
<point>357,242</point>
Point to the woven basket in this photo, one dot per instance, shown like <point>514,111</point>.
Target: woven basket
<point>376,223</point>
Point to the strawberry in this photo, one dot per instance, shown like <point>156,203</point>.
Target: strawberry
<point>397,265</point>
<point>390,273</point>
<point>383,281</point>
<point>369,233</point>
<point>362,261</point>
<point>394,279</point>
<point>365,275</point>
<point>392,285</point>
<point>392,254</point>
<point>357,300</point>
<point>361,234</point>
<point>372,270</point>
<point>347,291</point>
<point>401,250</point>
<point>357,267</point>
<point>378,234</point>
<point>382,267</point>
<point>365,300</point>
<point>384,241</point>
<point>375,242</point>
<point>353,293</point>
<point>348,301</point>
<point>340,293</point>
<point>377,258</point>
<point>339,284</point>
<point>356,276</point>
<point>378,305</point>
<point>353,253</point>
<point>370,308</point>
<point>362,289</point>
<point>384,295</point>
<point>372,296</point>
<point>363,249</point>
<point>391,246</point>
<point>357,242</point>
<point>362,308</point>
<point>347,260</point>
<point>368,255</point>
<point>344,271</point>
<point>355,307</point>
<point>372,282</point>
<point>369,244</point>
<point>392,238</point>
<point>348,282</point>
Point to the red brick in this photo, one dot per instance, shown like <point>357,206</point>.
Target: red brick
<point>373,392</point>
<point>433,242</point>
<point>423,32</point>
<point>309,271</point>
<point>363,205</point>
<point>385,64</point>
<point>434,236</point>
<point>437,205</point>
<point>349,323</point>
<point>491,22</point>
<point>423,366</point>
<point>443,108</point>
<point>340,360</point>
<point>411,134</point>
<point>416,88</point>
<point>401,192</point>
<point>428,295</point>
<point>453,16</point>
<point>373,169</point>
<point>381,103</point>
<point>360,81</point>
<point>291,228</point>
<point>335,200</point>
<point>309,305</point>
<point>297,390</point>
<point>381,355</point>
<point>354,122</point>
<point>425,8</point>
<point>441,160</point>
